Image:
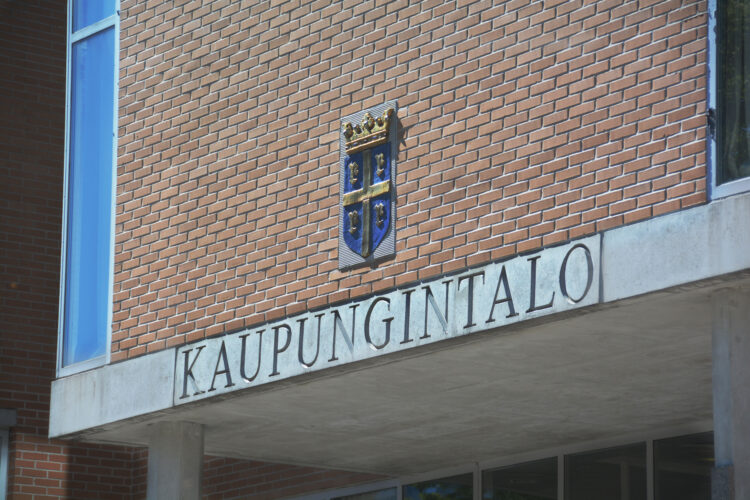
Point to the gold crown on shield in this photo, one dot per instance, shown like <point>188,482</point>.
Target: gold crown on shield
<point>370,133</point>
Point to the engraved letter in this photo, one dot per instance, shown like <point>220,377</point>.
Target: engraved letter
<point>508,298</point>
<point>429,300</point>
<point>470,312</point>
<point>589,277</point>
<point>407,316</point>
<point>532,289</point>
<point>278,350</point>
<point>242,356</point>
<point>387,322</point>
<point>337,323</point>
<point>300,349</point>
<point>188,372</point>
<point>222,358</point>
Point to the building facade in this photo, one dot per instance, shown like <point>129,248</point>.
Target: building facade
<point>389,250</point>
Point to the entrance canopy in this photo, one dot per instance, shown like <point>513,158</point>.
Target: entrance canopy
<point>619,370</point>
<point>632,357</point>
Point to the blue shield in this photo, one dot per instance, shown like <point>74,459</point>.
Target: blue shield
<point>367,198</point>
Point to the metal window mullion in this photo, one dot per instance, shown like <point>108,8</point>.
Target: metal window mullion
<point>712,68</point>
<point>650,484</point>
<point>92,29</point>
<point>66,166</point>
<point>477,482</point>
<point>113,219</point>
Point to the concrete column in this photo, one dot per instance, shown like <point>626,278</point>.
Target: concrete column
<point>731,394</point>
<point>175,461</point>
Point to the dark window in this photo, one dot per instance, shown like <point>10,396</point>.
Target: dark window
<point>448,488</point>
<point>733,90</point>
<point>614,474</point>
<point>529,481</point>
<point>682,467</point>
<point>386,494</point>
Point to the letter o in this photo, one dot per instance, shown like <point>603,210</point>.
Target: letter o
<point>589,269</point>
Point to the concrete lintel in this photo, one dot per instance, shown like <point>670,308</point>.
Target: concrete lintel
<point>688,246</point>
<point>111,393</point>
<point>676,249</point>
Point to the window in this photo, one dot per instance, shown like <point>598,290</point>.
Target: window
<point>383,490</point>
<point>665,469</point>
<point>682,467</point>
<point>448,488</point>
<point>616,474</point>
<point>88,239</point>
<point>527,481</point>
<point>730,95</point>
<point>384,494</point>
<point>3,462</point>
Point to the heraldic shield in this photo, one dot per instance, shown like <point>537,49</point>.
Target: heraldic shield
<point>367,193</point>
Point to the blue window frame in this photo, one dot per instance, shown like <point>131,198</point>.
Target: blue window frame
<point>88,213</point>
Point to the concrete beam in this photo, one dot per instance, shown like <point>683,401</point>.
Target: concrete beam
<point>111,393</point>
<point>676,249</point>
<point>631,324</point>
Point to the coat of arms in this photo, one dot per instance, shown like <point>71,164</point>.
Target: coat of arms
<point>367,192</point>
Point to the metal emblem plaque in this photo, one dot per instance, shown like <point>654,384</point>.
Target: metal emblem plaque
<point>367,191</point>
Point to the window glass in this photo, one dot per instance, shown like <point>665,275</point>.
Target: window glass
<point>89,225</point>
<point>3,463</point>
<point>530,481</point>
<point>733,90</point>
<point>614,474</point>
<point>86,12</point>
<point>683,467</point>
<point>449,488</point>
<point>386,494</point>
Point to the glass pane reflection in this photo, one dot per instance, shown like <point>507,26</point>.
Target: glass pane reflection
<point>386,494</point>
<point>89,257</point>
<point>614,474</point>
<point>683,467</point>
<point>530,481</point>
<point>87,12</point>
<point>449,488</point>
<point>733,89</point>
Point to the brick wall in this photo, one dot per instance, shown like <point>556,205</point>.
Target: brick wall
<point>523,124</point>
<point>32,94</point>
<point>32,86</point>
